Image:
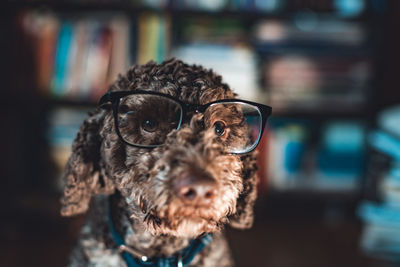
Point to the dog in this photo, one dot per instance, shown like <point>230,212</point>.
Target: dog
<point>164,162</point>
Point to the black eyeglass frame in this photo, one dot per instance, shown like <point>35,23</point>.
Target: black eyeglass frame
<point>114,99</point>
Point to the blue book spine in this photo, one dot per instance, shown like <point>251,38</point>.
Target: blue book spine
<point>161,42</point>
<point>61,58</point>
<point>385,143</point>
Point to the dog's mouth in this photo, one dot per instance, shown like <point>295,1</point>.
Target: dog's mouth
<point>180,219</point>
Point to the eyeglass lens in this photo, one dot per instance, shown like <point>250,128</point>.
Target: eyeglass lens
<point>236,124</point>
<point>146,120</point>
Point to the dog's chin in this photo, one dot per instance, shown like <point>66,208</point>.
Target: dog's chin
<point>187,220</point>
<point>193,227</point>
<point>189,227</point>
<point>188,223</point>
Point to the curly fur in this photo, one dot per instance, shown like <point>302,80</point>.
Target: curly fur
<point>144,204</point>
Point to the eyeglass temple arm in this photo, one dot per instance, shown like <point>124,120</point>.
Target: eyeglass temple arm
<point>267,111</point>
<point>105,99</point>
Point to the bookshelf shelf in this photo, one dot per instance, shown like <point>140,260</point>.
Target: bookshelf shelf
<point>320,114</point>
<point>316,48</point>
<point>325,112</point>
<point>64,102</point>
<point>313,194</point>
<point>319,189</point>
<point>251,13</point>
<point>75,6</point>
<point>333,51</point>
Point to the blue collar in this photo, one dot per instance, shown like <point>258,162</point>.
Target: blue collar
<point>181,259</point>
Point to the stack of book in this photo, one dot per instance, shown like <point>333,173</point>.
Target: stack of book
<point>308,30</point>
<point>236,65</point>
<point>63,124</point>
<point>381,235</point>
<point>221,45</point>
<point>302,157</point>
<point>77,58</point>
<point>313,63</point>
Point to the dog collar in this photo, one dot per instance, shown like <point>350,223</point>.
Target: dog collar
<point>180,259</point>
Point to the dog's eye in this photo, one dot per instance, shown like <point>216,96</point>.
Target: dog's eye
<point>149,125</point>
<point>122,109</point>
<point>219,128</point>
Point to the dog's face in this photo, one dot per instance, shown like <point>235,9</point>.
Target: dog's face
<point>187,186</point>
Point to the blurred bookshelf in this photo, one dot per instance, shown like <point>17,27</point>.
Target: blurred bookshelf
<point>312,61</point>
<point>327,67</point>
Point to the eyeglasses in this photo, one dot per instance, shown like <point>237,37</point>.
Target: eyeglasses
<point>144,119</point>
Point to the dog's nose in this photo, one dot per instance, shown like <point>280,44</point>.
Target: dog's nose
<point>194,188</point>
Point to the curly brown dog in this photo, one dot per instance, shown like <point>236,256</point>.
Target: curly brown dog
<point>164,162</point>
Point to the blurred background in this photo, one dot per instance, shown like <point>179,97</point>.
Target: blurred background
<point>329,165</point>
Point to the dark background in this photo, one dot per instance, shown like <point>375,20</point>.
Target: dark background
<point>291,229</point>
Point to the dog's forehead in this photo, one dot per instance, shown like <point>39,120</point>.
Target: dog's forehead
<point>189,83</point>
<point>193,94</point>
<point>196,95</point>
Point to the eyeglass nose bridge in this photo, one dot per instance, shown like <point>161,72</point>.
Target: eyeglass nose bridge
<point>193,108</point>
<point>190,110</point>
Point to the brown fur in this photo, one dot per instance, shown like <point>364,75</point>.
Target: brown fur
<point>144,205</point>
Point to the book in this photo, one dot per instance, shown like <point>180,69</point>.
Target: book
<point>390,188</point>
<point>236,65</point>
<point>208,5</point>
<point>341,156</point>
<point>206,30</point>
<point>385,143</point>
<point>64,124</point>
<point>381,211</point>
<point>306,81</point>
<point>45,28</point>
<point>91,68</point>
<point>61,58</point>
<point>286,153</point>
<point>381,233</point>
<point>122,40</point>
<point>306,32</point>
<point>389,121</point>
<point>153,35</point>
<point>78,57</point>
<point>301,156</point>
<point>101,62</point>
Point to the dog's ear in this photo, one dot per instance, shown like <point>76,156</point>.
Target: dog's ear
<point>83,176</point>
<point>244,216</point>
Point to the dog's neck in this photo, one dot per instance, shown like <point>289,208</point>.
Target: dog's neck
<point>137,238</point>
